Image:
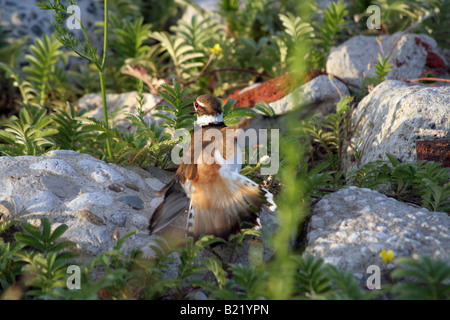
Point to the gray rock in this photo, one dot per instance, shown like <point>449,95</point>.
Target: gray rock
<point>61,186</point>
<point>72,188</point>
<point>319,91</point>
<point>25,18</point>
<point>118,218</point>
<point>134,201</point>
<point>125,102</point>
<point>41,202</point>
<point>393,116</point>
<point>349,228</point>
<point>55,166</point>
<point>92,198</point>
<point>155,184</point>
<point>356,58</point>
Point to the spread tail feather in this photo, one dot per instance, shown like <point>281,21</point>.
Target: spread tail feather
<point>221,211</point>
<point>175,203</point>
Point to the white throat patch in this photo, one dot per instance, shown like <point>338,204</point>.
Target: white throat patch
<point>208,119</point>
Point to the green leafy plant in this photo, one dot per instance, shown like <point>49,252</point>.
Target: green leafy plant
<point>428,279</point>
<point>298,30</point>
<point>333,22</point>
<point>183,56</point>
<point>37,254</point>
<point>10,268</point>
<point>181,114</point>
<point>197,33</point>
<point>311,278</point>
<point>130,45</point>
<point>83,49</point>
<point>28,134</point>
<point>28,92</point>
<point>232,115</point>
<point>425,179</point>
<point>45,240</point>
<point>43,65</point>
<point>148,144</point>
<point>71,133</point>
<point>382,68</point>
<point>330,132</point>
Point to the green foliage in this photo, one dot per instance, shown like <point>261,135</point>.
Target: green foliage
<point>255,20</point>
<point>183,56</point>
<point>39,260</point>
<point>27,91</point>
<point>311,277</point>
<point>333,22</point>
<point>43,67</point>
<point>371,175</point>
<point>330,132</point>
<point>382,68</point>
<point>67,39</point>
<point>180,112</point>
<point>129,44</point>
<point>71,134</point>
<point>438,24</point>
<point>234,115</point>
<point>429,280</point>
<point>398,15</point>
<point>83,49</point>
<point>148,144</point>
<point>427,179</point>
<point>296,28</point>
<point>37,254</point>
<point>44,240</point>
<point>27,134</point>
<point>264,108</point>
<point>198,34</point>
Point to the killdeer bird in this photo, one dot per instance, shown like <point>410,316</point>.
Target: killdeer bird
<point>208,184</point>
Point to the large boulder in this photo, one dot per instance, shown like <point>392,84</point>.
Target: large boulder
<point>393,117</point>
<point>412,56</point>
<point>350,228</point>
<point>93,198</point>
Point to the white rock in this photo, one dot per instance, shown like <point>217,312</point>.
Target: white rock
<point>319,91</point>
<point>41,202</point>
<point>100,172</point>
<point>347,238</point>
<point>393,117</point>
<point>154,183</point>
<point>56,166</point>
<point>356,58</point>
<point>87,199</point>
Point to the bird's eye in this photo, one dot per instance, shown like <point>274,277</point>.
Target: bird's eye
<point>195,104</point>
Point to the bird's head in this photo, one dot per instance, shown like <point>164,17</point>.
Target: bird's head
<point>208,109</point>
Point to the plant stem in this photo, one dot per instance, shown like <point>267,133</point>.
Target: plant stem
<point>105,111</point>
<point>101,72</point>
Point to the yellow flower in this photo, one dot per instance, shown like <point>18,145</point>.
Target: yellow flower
<point>387,256</point>
<point>216,49</point>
